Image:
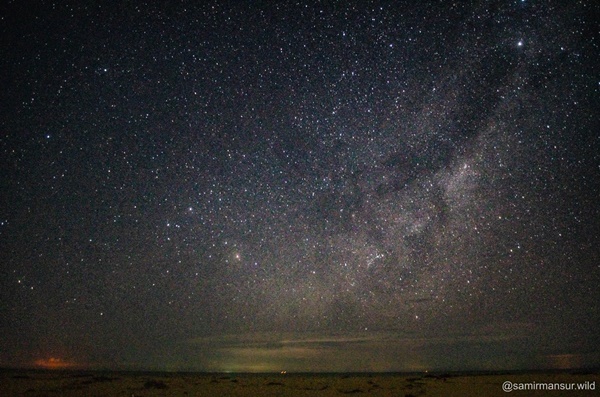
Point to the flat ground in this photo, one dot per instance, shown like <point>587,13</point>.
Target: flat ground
<point>90,383</point>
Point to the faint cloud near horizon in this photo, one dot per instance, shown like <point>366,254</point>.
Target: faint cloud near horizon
<point>362,351</point>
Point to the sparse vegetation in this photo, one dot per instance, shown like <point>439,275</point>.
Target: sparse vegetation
<point>155,384</point>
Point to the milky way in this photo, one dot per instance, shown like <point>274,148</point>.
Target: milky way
<point>335,186</point>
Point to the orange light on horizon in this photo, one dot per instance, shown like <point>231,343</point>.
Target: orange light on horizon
<point>566,361</point>
<point>53,363</point>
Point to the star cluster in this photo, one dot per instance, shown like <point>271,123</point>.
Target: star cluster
<point>175,172</point>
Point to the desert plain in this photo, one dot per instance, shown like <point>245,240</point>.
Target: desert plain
<point>36,383</point>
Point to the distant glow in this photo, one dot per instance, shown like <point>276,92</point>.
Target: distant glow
<point>565,361</point>
<point>53,363</point>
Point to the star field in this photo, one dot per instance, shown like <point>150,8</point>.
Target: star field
<point>184,182</point>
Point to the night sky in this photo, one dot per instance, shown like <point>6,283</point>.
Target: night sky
<point>339,186</point>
